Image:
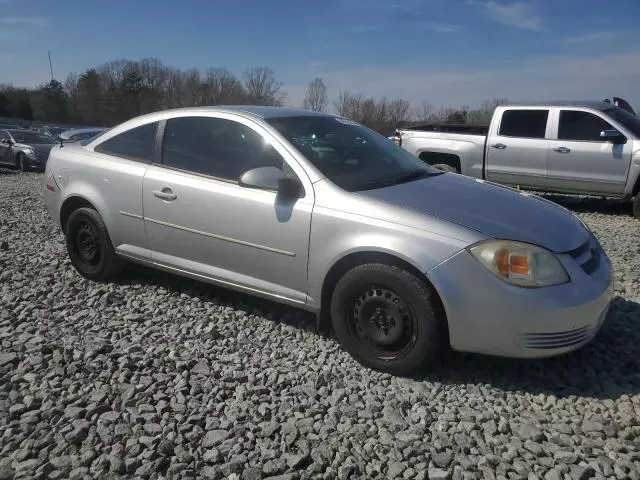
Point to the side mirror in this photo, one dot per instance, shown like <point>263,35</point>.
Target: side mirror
<point>271,178</point>
<point>614,136</point>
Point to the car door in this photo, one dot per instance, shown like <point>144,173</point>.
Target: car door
<point>518,147</point>
<point>202,222</point>
<point>5,149</point>
<point>116,170</point>
<point>580,160</point>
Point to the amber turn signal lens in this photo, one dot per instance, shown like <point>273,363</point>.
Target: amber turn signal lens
<point>509,263</point>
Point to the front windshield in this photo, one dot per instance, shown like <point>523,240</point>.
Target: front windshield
<point>93,136</point>
<point>630,121</point>
<point>350,155</point>
<point>31,137</point>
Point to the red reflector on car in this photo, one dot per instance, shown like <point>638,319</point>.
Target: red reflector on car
<point>51,188</point>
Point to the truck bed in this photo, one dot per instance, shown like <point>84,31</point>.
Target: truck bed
<point>465,128</point>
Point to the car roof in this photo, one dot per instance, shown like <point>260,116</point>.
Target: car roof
<point>255,110</point>
<point>565,103</point>
<point>74,131</point>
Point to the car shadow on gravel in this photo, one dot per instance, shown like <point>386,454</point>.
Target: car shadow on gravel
<point>606,368</point>
<point>592,204</point>
<point>137,274</point>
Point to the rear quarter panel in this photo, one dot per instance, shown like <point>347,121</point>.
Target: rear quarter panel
<point>112,185</point>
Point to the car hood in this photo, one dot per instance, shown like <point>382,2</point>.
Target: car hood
<point>493,210</point>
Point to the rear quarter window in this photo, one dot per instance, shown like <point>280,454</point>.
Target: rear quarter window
<point>135,144</point>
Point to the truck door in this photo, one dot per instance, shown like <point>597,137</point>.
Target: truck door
<point>518,147</point>
<point>582,160</point>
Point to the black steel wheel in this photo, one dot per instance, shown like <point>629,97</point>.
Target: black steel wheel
<point>384,321</point>
<point>385,318</point>
<point>89,246</point>
<point>87,243</point>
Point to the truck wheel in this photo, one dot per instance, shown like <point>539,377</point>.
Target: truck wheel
<point>636,206</point>
<point>89,246</point>
<point>446,168</point>
<point>385,318</point>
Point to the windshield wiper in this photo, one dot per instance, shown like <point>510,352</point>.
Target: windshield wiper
<point>409,177</point>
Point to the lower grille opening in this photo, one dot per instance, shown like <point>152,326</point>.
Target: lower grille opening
<point>557,340</point>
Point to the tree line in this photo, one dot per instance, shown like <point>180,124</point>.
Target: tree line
<point>117,91</point>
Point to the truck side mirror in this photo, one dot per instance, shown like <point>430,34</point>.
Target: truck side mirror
<point>614,136</point>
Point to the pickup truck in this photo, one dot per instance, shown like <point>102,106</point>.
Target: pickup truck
<point>584,148</point>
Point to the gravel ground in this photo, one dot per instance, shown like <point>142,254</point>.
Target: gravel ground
<point>155,376</point>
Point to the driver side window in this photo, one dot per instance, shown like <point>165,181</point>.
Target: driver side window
<point>4,137</point>
<point>216,147</point>
<point>581,126</point>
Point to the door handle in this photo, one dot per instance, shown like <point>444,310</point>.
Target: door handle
<point>562,150</point>
<point>499,146</point>
<point>165,194</point>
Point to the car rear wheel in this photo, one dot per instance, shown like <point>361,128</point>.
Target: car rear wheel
<point>636,206</point>
<point>385,318</point>
<point>89,246</point>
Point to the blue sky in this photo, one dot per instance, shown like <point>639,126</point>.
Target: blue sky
<point>448,52</point>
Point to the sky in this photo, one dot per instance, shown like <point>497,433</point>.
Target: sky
<point>447,52</point>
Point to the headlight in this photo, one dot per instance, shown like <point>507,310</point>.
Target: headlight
<point>520,264</point>
<point>29,151</point>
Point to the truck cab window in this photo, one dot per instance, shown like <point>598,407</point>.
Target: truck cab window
<point>524,123</point>
<point>581,126</point>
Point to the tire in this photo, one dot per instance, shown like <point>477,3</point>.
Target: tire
<point>385,318</point>
<point>636,206</point>
<point>89,246</point>
<point>21,163</point>
<point>446,168</point>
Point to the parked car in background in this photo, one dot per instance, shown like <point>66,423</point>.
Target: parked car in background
<point>4,126</point>
<point>24,149</point>
<point>569,147</point>
<point>316,211</point>
<point>79,134</point>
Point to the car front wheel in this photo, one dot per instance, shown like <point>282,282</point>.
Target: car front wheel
<point>385,318</point>
<point>89,246</point>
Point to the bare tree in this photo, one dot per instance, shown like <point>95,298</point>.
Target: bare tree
<point>192,88</point>
<point>316,98</point>
<point>425,113</point>
<point>483,114</point>
<point>263,88</point>
<point>349,105</point>
<point>174,96</point>
<point>399,110</point>
<point>221,87</point>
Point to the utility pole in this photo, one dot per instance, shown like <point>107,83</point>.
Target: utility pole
<point>50,64</point>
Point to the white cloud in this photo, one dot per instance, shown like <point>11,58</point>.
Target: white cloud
<point>543,78</point>
<point>23,21</point>
<point>442,27</point>
<point>590,37</point>
<point>517,14</point>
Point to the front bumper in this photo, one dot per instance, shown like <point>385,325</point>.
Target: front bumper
<point>36,162</point>
<point>489,316</point>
